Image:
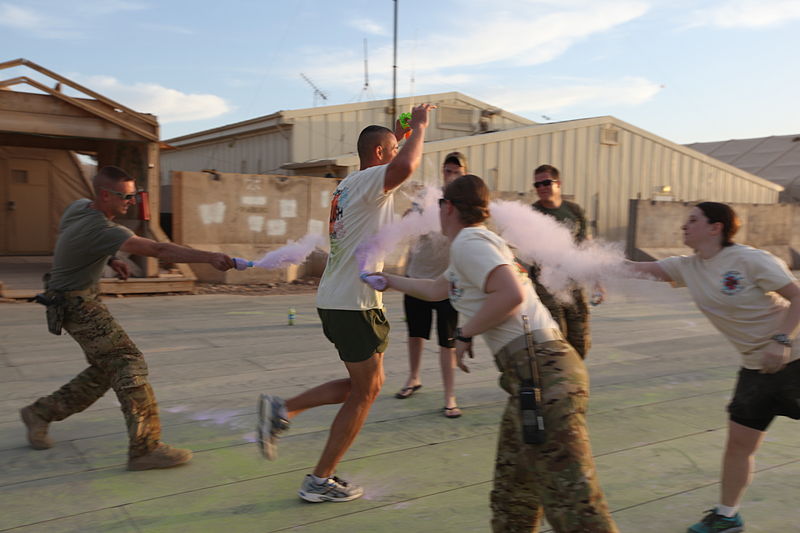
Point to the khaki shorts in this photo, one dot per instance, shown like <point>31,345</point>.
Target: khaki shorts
<point>356,334</point>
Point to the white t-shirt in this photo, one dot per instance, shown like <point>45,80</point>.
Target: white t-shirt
<point>735,290</point>
<point>429,256</point>
<point>358,210</point>
<point>474,254</point>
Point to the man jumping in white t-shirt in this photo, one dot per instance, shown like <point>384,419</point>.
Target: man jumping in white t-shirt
<point>351,312</point>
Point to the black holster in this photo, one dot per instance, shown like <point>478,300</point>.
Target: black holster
<point>54,303</point>
<point>530,393</point>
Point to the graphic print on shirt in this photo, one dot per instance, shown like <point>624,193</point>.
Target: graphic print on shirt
<point>336,229</point>
<point>732,282</point>
<point>454,292</point>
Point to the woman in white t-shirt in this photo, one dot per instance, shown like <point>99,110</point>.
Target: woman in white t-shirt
<point>495,299</point>
<point>753,299</point>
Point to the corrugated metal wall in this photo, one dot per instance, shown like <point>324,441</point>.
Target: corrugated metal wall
<point>325,135</point>
<point>258,154</point>
<point>600,177</point>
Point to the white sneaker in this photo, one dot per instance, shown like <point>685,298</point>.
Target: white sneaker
<point>332,490</point>
<point>273,420</point>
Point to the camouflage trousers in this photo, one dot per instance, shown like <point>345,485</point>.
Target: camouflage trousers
<point>556,478</point>
<point>572,317</point>
<point>114,362</point>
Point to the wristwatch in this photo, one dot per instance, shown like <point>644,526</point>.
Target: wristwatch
<point>460,337</point>
<point>780,338</point>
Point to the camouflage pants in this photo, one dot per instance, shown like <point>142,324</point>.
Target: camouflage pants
<point>572,318</point>
<point>558,477</point>
<point>114,362</point>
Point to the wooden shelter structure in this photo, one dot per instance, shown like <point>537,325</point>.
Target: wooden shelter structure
<point>54,115</point>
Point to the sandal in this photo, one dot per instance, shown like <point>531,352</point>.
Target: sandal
<point>406,392</point>
<point>452,412</point>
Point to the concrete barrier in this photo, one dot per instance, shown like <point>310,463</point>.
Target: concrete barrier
<point>655,232</point>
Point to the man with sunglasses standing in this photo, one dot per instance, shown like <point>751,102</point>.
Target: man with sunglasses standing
<point>88,240</point>
<point>572,317</point>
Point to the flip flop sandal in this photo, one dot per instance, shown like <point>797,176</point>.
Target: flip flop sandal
<point>406,392</point>
<point>452,412</point>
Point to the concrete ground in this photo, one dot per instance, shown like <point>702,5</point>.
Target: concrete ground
<point>661,377</point>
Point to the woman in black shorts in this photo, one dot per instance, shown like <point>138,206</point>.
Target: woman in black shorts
<point>751,297</point>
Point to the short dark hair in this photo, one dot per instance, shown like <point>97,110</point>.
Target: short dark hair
<point>456,158</point>
<point>369,138</point>
<point>550,169</point>
<point>470,196</point>
<point>109,175</point>
<point>724,214</point>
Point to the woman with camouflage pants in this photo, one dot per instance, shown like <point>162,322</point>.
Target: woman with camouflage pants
<point>495,298</point>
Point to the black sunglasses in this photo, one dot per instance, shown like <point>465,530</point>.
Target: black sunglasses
<point>122,195</point>
<point>544,183</point>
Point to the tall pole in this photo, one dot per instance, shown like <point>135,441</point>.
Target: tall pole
<point>394,68</point>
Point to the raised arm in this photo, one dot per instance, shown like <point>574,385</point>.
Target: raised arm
<point>648,268</point>
<point>175,253</point>
<point>409,156</point>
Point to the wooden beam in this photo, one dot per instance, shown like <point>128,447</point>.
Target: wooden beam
<point>63,126</point>
<point>146,285</point>
<point>55,143</point>
<point>77,87</point>
<point>91,109</point>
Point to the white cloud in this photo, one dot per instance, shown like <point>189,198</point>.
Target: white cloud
<point>515,33</point>
<point>62,21</point>
<point>630,91</point>
<point>21,18</point>
<point>169,105</point>
<point>368,26</point>
<point>747,13</point>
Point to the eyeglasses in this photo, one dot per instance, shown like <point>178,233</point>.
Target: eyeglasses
<point>131,196</point>
<point>544,183</point>
<point>442,201</point>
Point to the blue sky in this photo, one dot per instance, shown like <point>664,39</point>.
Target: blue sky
<point>686,70</point>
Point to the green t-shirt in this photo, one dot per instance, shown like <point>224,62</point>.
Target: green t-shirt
<point>86,240</point>
<point>570,214</point>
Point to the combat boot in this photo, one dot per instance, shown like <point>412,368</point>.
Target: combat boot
<point>37,429</point>
<point>164,456</point>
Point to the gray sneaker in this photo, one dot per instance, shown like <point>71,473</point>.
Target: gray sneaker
<point>333,490</point>
<point>273,420</point>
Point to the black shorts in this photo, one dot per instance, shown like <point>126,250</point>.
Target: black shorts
<point>419,316</point>
<point>356,334</point>
<point>759,398</point>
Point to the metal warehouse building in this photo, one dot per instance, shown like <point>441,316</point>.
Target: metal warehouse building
<point>605,162</point>
<point>776,158</point>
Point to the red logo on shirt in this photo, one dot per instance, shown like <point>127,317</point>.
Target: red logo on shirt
<point>732,282</point>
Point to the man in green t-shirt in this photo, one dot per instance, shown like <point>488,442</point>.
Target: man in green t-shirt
<point>88,239</point>
<point>572,317</point>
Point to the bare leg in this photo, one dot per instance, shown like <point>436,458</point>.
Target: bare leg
<point>447,360</point>
<point>415,345</point>
<point>366,380</point>
<point>738,462</point>
<point>335,391</point>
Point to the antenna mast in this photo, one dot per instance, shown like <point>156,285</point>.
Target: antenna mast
<point>394,68</point>
<point>365,90</point>
<point>317,91</point>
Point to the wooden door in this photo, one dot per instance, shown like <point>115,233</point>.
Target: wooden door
<point>26,213</point>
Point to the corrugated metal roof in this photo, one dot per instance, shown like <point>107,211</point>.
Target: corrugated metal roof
<point>464,143</point>
<point>775,158</point>
<point>289,116</point>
